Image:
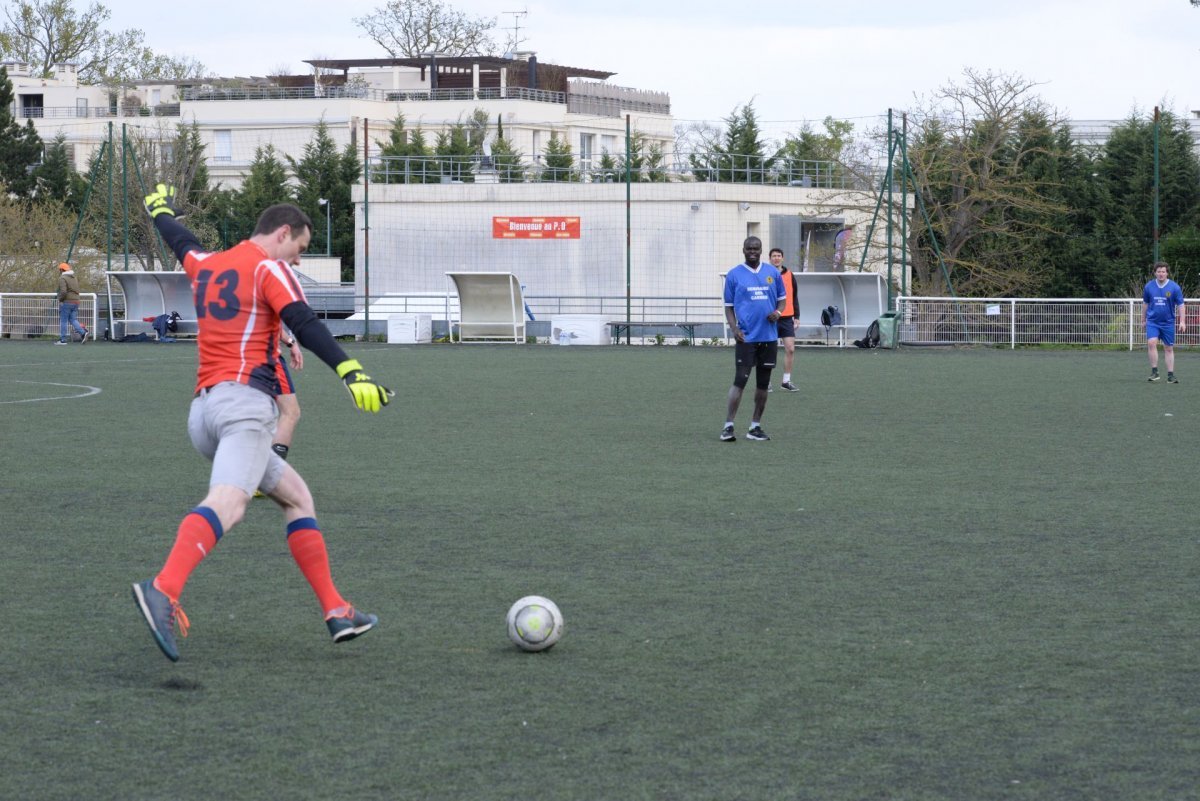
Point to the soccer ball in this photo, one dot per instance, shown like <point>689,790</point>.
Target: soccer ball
<point>534,623</point>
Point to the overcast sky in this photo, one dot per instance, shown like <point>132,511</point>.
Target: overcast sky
<point>796,59</point>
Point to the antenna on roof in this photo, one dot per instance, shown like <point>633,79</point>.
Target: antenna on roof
<point>514,39</point>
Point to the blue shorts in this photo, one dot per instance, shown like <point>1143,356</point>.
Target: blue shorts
<point>1165,332</point>
<point>284,376</point>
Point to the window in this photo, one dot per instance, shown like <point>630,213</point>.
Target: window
<point>608,143</point>
<point>537,147</point>
<point>31,105</point>
<point>587,146</point>
<point>81,107</point>
<point>223,146</point>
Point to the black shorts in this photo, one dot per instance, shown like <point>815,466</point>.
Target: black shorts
<point>787,327</point>
<point>750,355</point>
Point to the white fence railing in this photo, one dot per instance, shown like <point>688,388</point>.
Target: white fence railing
<point>33,315</point>
<point>1027,321</point>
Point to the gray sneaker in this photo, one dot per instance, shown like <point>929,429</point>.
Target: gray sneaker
<point>1154,376</point>
<point>790,387</point>
<point>756,433</point>
<point>1171,379</point>
<point>350,625</point>
<point>161,614</point>
<point>727,434</point>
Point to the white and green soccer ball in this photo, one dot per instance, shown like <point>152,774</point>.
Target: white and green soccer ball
<point>534,623</point>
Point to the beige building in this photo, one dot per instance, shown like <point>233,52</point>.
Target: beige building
<point>358,99</point>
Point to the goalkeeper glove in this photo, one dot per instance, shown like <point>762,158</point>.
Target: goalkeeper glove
<point>161,201</point>
<point>368,395</point>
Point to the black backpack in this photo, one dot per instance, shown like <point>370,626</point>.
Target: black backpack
<point>831,316</point>
<point>871,338</point>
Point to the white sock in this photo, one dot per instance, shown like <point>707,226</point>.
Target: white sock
<point>787,378</point>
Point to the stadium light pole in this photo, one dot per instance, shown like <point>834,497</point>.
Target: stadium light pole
<point>328,229</point>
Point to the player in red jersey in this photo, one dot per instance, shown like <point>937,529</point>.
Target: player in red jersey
<point>241,296</point>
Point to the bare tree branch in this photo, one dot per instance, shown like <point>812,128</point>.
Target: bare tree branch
<point>49,32</point>
<point>409,28</point>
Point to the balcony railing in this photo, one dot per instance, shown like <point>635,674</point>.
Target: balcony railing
<point>99,112</point>
<point>735,169</point>
<point>363,93</point>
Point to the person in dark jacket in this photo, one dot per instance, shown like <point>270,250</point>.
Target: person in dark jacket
<point>68,306</point>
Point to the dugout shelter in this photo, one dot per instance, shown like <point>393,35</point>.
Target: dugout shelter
<point>149,294</point>
<point>491,308</point>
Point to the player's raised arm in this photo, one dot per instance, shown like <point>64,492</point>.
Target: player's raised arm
<point>160,205</point>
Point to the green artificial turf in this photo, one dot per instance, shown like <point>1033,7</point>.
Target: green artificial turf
<point>950,575</point>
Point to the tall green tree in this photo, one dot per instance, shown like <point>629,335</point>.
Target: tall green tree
<point>1125,171</point>
<point>607,170</point>
<point>456,153</point>
<point>407,156</point>
<point>814,157</point>
<point>49,32</point>
<point>506,159</point>
<point>644,163</point>
<point>350,172</point>
<point>558,163</point>
<point>20,145</point>
<point>1069,245</point>
<point>325,173</point>
<point>57,180</point>
<point>318,173</point>
<point>265,184</point>
<point>734,154</point>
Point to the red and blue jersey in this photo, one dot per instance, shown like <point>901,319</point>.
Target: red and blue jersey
<point>238,295</point>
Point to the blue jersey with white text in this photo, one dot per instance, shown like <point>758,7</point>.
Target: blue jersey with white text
<point>1161,301</point>
<point>754,295</point>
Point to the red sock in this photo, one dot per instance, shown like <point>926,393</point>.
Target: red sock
<point>308,549</point>
<point>197,536</point>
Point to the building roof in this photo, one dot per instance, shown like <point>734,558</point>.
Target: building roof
<point>451,61</point>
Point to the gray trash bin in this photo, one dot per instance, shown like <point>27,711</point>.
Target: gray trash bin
<point>887,329</point>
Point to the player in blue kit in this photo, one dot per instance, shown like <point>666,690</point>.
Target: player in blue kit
<point>754,301</point>
<point>1162,304</point>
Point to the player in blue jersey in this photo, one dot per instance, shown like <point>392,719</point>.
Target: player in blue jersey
<point>1162,305</point>
<point>754,301</point>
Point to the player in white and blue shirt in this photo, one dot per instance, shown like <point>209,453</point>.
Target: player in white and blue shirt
<point>754,301</point>
<point>1162,305</point>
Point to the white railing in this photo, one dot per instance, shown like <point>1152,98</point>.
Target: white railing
<point>34,315</point>
<point>1027,321</point>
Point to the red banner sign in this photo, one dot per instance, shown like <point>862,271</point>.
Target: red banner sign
<point>535,228</point>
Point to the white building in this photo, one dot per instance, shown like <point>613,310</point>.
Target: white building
<point>1094,133</point>
<point>358,99</point>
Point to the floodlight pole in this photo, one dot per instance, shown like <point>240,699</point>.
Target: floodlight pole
<point>628,234</point>
<point>1157,123</point>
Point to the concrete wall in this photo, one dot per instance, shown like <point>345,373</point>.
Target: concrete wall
<point>683,237</point>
